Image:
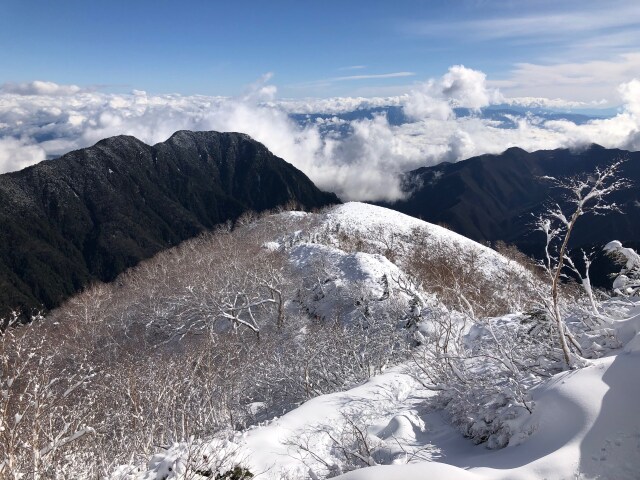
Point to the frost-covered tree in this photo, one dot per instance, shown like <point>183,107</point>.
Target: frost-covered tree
<point>583,195</point>
<point>39,417</point>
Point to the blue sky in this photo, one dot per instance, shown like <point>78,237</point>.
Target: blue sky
<point>314,48</point>
<point>73,72</point>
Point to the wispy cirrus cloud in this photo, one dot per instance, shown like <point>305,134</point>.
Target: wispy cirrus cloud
<point>586,81</point>
<point>372,76</point>
<point>353,67</point>
<point>326,82</point>
<point>562,22</point>
<point>577,50</point>
<point>39,87</point>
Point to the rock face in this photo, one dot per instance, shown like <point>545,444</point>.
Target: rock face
<point>92,213</point>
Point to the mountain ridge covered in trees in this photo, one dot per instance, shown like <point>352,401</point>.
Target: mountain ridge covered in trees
<point>94,212</point>
<point>495,197</point>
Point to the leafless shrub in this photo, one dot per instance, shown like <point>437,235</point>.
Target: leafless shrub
<point>454,275</point>
<point>202,338</point>
<point>39,414</point>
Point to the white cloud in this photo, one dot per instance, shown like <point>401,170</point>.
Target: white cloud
<point>557,20</point>
<point>630,93</point>
<point>579,50</point>
<point>459,87</point>
<point>328,82</point>
<point>335,105</point>
<point>353,67</point>
<point>553,103</point>
<point>466,87</point>
<point>39,87</point>
<point>578,81</point>
<point>16,154</point>
<point>372,76</point>
<point>363,165</point>
<point>541,27</point>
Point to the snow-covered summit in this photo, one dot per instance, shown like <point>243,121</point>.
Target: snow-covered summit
<point>369,219</point>
<point>396,231</point>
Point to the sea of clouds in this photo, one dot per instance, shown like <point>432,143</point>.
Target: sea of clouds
<point>41,120</point>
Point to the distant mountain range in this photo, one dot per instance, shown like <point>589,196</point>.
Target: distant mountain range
<point>503,116</point>
<point>94,212</point>
<point>495,197</point>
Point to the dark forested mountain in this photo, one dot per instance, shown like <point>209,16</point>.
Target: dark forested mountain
<point>493,197</point>
<point>94,212</point>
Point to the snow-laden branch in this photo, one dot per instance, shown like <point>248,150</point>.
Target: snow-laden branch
<point>582,196</point>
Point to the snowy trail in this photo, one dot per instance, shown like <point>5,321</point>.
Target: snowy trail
<point>586,425</point>
<point>383,398</point>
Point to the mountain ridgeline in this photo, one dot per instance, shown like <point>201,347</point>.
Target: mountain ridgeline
<point>94,212</point>
<point>496,197</point>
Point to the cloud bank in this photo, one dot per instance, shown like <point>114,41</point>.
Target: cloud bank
<point>39,88</point>
<point>41,120</point>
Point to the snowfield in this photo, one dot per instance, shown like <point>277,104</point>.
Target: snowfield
<point>389,228</point>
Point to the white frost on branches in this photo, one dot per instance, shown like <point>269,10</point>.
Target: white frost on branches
<point>627,282</point>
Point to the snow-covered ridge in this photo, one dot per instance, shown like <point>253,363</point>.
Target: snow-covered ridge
<point>382,225</point>
<point>354,342</point>
<point>351,251</point>
<point>388,231</point>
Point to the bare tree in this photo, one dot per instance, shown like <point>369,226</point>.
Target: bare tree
<point>582,196</point>
<point>38,417</point>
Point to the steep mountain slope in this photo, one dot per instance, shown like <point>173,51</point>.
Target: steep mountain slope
<point>493,197</point>
<point>94,212</point>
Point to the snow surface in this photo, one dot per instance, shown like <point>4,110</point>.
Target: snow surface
<point>339,272</point>
<point>585,424</point>
<point>382,224</point>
